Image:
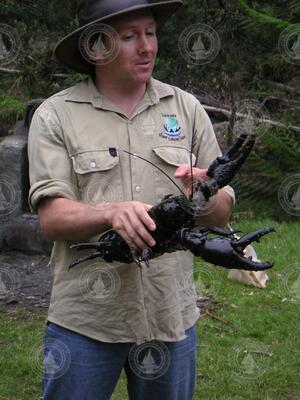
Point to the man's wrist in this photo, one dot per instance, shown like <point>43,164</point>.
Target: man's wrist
<point>105,212</point>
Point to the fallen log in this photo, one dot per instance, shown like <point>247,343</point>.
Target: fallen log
<point>264,121</point>
<point>10,71</point>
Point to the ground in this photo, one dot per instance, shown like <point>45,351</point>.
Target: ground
<point>25,280</point>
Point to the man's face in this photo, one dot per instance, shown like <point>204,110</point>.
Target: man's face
<point>138,49</point>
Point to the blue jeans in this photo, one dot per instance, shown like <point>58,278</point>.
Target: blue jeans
<point>79,368</point>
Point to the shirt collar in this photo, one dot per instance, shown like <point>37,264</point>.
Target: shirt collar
<point>87,92</point>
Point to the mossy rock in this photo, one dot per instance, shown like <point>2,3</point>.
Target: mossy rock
<point>11,111</point>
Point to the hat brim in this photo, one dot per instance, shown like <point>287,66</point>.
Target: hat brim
<point>67,50</point>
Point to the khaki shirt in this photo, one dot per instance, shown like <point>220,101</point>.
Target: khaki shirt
<point>76,144</point>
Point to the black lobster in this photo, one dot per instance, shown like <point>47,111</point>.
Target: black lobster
<point>175,220</point>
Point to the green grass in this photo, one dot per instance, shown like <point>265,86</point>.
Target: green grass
<point>248,348</point>
<point>21,335</point>
<point>256,353</point>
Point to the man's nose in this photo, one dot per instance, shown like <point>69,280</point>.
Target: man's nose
<point>145,44</point>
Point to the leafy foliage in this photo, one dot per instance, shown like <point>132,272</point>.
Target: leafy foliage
<point>276,156</point>
<point>249,65</point>
<point>11,110</point>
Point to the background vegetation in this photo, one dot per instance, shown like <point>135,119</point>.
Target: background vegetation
<point>249,68</point>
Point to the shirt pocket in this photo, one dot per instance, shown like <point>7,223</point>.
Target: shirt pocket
<point>98,175</point>
<point>169,158</point>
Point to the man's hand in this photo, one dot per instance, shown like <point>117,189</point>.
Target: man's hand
<point>64,219</point>
<point>219,214</point>
<point>131,220</point>
<point>184,174</point>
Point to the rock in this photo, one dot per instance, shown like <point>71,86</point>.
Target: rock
<point>24,234</point>
<point>12,158</point>
<point>18,229</point>
<point>32,105</point>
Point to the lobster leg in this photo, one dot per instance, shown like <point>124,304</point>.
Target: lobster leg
<point>217,231</point>
<point>85,246</point>
<point>85,258</point>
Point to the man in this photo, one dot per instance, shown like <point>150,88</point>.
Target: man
<point>83,184</point>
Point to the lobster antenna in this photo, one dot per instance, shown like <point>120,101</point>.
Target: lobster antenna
<point>163,172</point>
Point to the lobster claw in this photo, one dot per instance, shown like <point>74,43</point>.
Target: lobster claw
<point>226,250</point>
<point>240,244</point>
<point>223,169</point>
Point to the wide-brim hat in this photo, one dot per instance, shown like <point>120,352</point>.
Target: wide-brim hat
<point>89,12</point>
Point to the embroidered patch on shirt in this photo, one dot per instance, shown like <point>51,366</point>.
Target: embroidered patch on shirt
<point>172,130</point>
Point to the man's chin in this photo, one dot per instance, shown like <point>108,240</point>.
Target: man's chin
<point>144,78</point>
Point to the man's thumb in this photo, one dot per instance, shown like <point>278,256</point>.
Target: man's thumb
<point>181,171</point>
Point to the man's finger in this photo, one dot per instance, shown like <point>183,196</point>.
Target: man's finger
<point>145,217</point>
<point>182,171</point>
<point>137,229</point>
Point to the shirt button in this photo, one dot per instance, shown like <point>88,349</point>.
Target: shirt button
<point>93,164</point>
<point>137,188</point>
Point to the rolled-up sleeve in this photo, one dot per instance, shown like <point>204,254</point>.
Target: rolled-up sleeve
<point>205,145</point>
<point>50,166</point>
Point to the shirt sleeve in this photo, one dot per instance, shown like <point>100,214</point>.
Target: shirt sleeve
<point>205,145</point>
<point>50,167</point>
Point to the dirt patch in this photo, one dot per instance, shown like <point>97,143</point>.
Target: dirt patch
<point>25,280</point>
